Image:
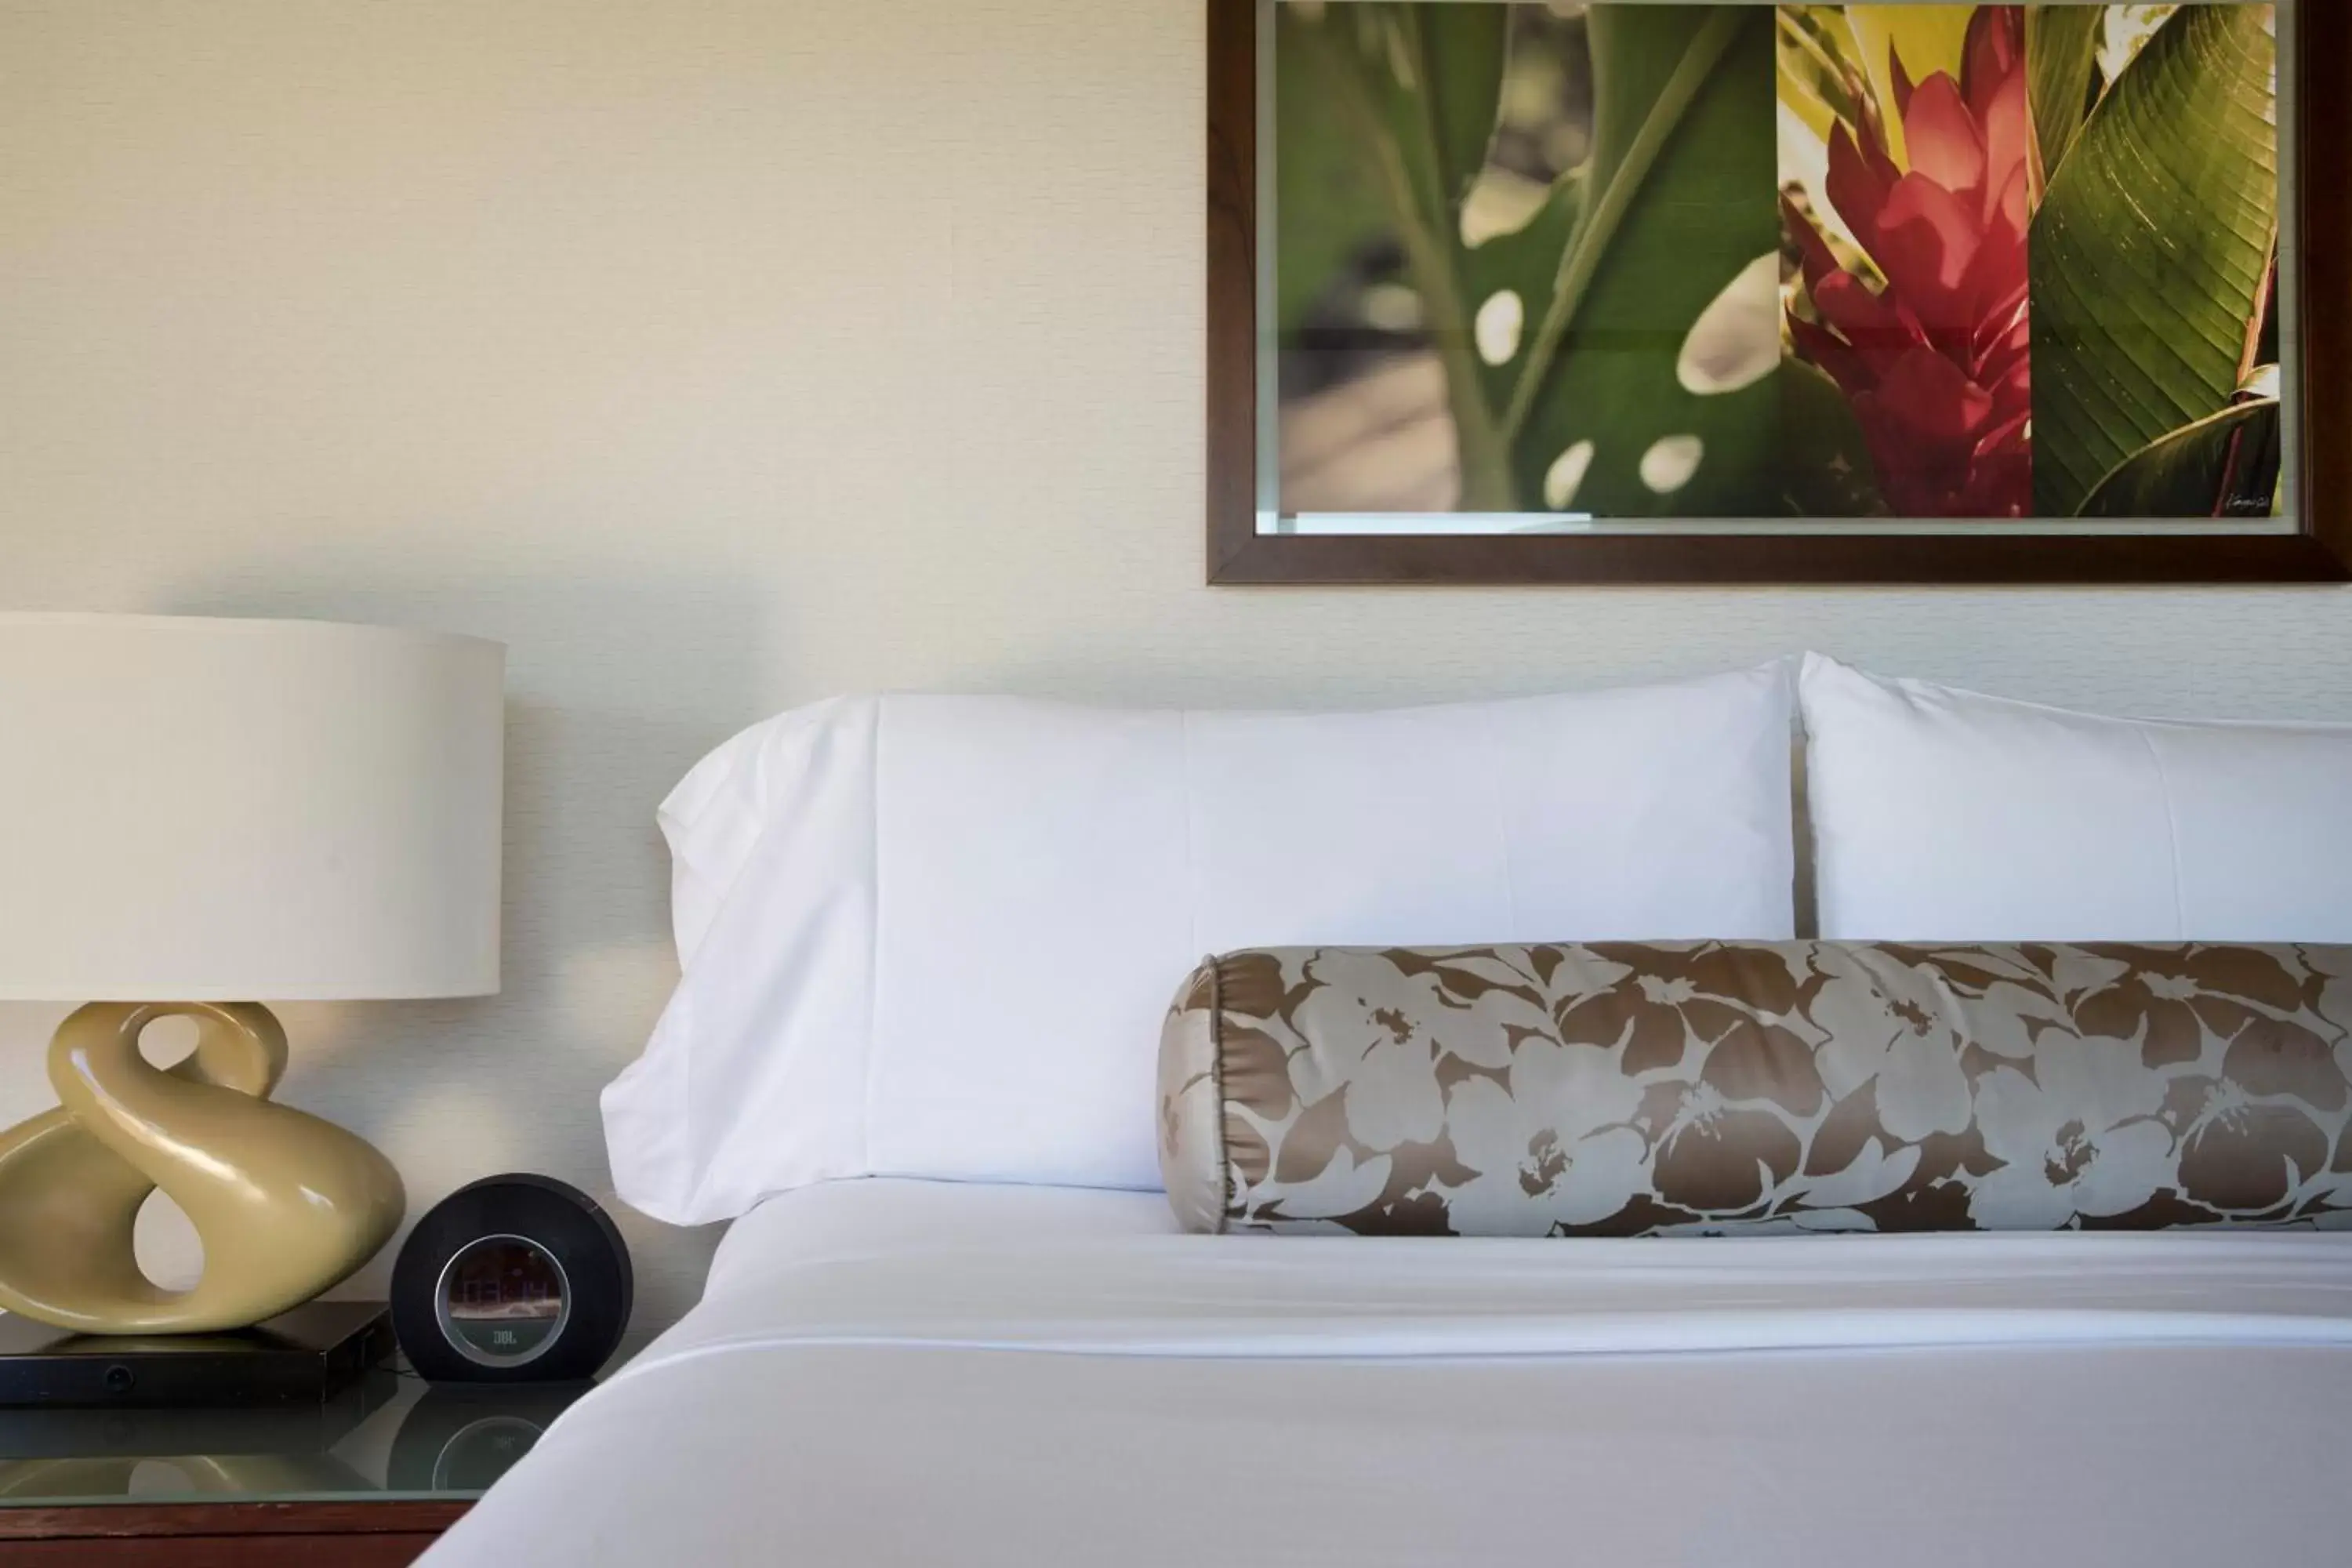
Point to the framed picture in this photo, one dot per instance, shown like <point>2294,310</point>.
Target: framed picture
<point>1653,290</point>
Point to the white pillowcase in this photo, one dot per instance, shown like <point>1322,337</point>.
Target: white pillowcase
<point>1945,815</point>
<point>935,937</point>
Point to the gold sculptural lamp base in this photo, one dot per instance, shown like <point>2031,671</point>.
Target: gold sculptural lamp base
<point>287,1205</point>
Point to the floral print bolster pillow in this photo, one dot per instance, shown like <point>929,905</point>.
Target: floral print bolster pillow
<point>1616,1088</point>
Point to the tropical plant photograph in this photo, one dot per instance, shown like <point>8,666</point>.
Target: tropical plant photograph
<point>1944,263</point>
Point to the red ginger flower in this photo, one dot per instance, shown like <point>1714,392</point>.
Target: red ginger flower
<point>1938,364</point>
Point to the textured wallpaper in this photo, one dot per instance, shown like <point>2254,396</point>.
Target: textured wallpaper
<point>716,356</point>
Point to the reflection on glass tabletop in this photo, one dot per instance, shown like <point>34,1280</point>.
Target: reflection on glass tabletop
<point>388,1437</point>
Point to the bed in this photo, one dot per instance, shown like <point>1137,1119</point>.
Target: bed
<point>889,1371</point>
<point>923,1056</point>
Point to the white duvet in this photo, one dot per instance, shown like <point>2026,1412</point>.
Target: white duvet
<point>907,1373</point>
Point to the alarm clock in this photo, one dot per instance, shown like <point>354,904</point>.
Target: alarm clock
<point>516,1279</point>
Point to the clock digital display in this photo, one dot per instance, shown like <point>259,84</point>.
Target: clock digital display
<point>502,1301</point>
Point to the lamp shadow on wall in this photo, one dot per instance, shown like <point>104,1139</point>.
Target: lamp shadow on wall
<point>616,687</point>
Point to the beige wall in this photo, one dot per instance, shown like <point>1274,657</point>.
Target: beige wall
<point>716,354</point>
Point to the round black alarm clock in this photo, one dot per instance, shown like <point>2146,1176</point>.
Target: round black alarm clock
<point>512,1279</point>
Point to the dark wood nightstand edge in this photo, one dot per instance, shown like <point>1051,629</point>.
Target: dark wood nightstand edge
<point>229,1518</point>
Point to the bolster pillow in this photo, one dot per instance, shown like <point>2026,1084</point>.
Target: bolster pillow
<point>1615,1089</point>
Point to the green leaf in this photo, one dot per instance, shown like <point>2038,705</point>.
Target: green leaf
<point>1526,265</point>
<point>2061,49</point>
<point>2226,465</point>
<point>1818,78</point>
<point>1432,74</point>
<point>1326,201</point>
<point>1377,62</point>
<point>2151,249</point>
<point>1681,204</point>
<point>1825,464</point>
<point>1464,52</point>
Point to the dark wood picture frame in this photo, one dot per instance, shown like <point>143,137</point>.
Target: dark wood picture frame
<point>2321,553</point>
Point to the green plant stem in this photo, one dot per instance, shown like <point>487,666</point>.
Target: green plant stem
<point>1485,454</point>
<point>1482,453</point>
<point>1428,164</point>
<point>1584,257</point>
<point>2251,357</point>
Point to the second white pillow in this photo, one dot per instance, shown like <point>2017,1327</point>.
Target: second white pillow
<point>1945,815</point>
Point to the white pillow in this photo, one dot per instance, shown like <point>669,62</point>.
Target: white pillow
<point>1942,816</point>
<point>930,936</point>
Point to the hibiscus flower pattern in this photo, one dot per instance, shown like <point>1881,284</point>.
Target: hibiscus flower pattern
<point>1634,1088</point>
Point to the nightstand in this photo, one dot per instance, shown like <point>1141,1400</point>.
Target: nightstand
<point>366,1481</point>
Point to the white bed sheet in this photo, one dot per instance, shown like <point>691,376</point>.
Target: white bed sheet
<point>889,1371</point>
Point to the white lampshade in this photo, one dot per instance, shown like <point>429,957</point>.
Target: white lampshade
<point>266,811</point>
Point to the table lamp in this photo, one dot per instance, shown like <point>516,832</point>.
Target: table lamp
<point>195,815</point>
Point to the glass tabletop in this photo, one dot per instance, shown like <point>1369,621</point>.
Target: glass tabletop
<point>389,1436</point>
